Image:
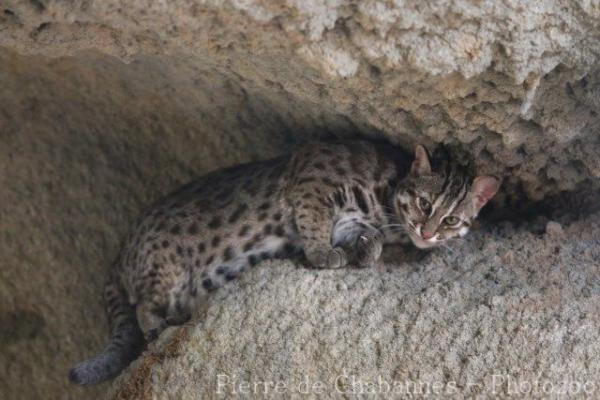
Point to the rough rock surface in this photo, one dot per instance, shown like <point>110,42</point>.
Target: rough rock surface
<point>507,81</point>
<point>501,311</point>
<point>105,105</point>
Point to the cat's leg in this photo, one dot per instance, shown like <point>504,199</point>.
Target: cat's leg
<point>314,220</point>
<point>317,246</point>
<point>179,311</point>
<point>152,319</point>
<point>155,315</point>
<point>164,300</point>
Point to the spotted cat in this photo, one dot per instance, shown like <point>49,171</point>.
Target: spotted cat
<point>335,203</point>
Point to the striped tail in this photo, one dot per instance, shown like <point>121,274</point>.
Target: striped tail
<point>126,340</point>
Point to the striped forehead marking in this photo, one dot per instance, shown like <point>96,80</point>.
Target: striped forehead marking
<point>454,191</point>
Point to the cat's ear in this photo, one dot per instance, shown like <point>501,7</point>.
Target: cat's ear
<point>483,189</point>
<point>421,164</point>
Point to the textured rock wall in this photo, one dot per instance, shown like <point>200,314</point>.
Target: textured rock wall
<point>503,80</point>
<point>105,105</point>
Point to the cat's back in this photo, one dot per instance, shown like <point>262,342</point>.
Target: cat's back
<point>218,201</point>
<point>220,188</point>
<point>342,162</point>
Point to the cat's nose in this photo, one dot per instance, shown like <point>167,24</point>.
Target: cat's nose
<point>426,235</point>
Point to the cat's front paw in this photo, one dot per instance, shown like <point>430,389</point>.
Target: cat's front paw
<point>152,335</point>
<point>328,258</point>
<point>336,258</point>
<point>368,249</point>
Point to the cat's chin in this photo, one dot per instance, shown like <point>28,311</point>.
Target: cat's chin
<point>421,243</point>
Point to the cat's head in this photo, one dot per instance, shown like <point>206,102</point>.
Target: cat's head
<point>439,201</point>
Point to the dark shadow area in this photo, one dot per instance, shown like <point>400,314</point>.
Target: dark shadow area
<point>565,207</point>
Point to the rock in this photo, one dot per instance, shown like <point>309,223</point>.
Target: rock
<point>459,323</point>
<point>554,229</point>
<point>513,86</point>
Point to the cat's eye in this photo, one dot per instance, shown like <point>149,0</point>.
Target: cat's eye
<point>424,205</point>
<point>451,220</point>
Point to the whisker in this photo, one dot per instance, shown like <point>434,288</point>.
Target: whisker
<point>391,216</point>
<point>397,230</point>
<point>389,225</point>
<point>447,248</point>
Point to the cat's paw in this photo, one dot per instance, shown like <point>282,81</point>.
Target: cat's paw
<point>179,319</point>
<point>336,258</point>
<point>152,335</point>
<point>368,249</point>
<point>328,258</point>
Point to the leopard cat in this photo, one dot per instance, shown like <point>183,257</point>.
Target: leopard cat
<point>335,203</point>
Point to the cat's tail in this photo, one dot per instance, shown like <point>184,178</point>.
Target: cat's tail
<point>126,339</point>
